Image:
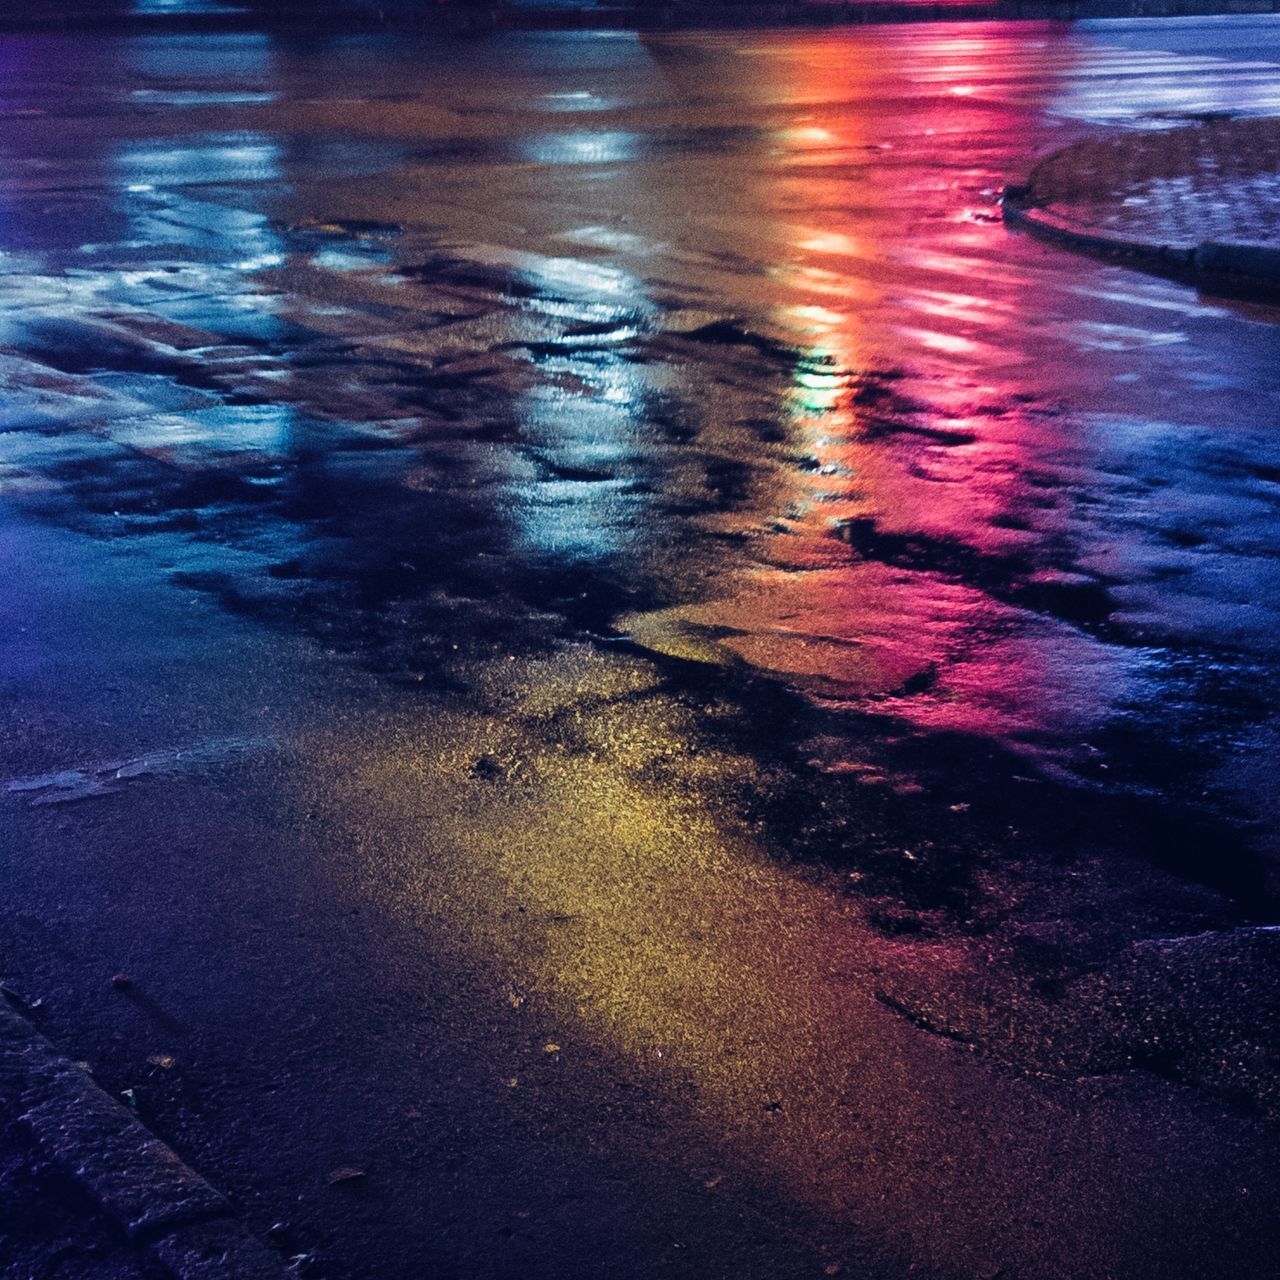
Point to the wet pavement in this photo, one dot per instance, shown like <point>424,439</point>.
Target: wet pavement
<point>1217,180</point>
<point>607,647</point>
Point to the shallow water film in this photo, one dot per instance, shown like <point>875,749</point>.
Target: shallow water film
<point>610,651</point>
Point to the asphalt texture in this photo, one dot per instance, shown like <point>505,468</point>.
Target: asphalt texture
<point>636,685</point>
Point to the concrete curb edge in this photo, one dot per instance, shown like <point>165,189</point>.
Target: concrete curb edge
<point>162,1205</point>
<point>1236,270</point>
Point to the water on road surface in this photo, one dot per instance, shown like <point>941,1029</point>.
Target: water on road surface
<point>605,644</point>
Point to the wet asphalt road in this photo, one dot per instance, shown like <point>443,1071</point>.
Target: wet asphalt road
<point>608,648</point>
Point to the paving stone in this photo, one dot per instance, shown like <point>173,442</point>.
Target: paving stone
<point>51,1230</point>
<point>136,1179</point>
<point>26,1060</point>
<point>1216,181</point>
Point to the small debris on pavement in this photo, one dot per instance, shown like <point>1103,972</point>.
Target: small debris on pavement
<point>487,767</point>
<point>19,1001</point>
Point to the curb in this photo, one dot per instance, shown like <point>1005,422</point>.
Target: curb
<point>161,1204</point>
<point>1236,270</point>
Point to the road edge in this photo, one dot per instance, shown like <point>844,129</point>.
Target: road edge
<point>1248,271</point>
<point>163,1206</point>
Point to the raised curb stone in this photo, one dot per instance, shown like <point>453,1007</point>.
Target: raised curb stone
<point>216,1251</point>
<point>135,1178</point>
<point>1201,200</point>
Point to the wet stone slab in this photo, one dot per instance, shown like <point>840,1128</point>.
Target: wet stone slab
<point>1214,181</point>
<point>132,1177</point>
<point>51,1228</point>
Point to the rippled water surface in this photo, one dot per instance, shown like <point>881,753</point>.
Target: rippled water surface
<point>714,342</point>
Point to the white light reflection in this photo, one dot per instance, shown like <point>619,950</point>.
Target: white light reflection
<point>585,147</point>
<point>224,432</point>
<point>585,422</point>
<point>1162,88</point>
<point>215,249</point>
<point>176,6</point>
<point>587,508</point>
